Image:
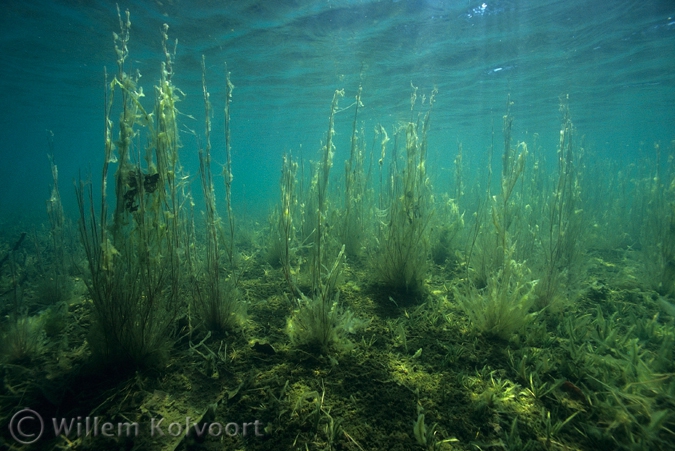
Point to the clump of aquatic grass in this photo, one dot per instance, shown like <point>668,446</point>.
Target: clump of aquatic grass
<point>320,322</point>
<point>322,326</point>
<point>502,307</point>
<point>55,319</point>
<point>134,322</point>
<point>219,307</point>
<point>448,224</point>
<point>23,339</point>
<point>136,272</point>
<point>400,260</point>
<point>55,286</point>
<point>275,249</point>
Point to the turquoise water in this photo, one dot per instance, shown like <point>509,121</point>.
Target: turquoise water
<point>614,59</point>
<point>520,300</point>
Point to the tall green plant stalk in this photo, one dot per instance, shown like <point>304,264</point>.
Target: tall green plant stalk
<point>380,211</point>
<point>355,185</point>
<point>57,285</point>
<point>286,229</point>
<point>562,244</point>
<point>459,181</point>
<point>208,192</point>
<point>166,153</point>
<point>57,219</point>
<point>499,297</point>
<point>208,301</point>
<point>513,165</point>
<point>656,215</point>
<point>135,271</point>
<point>401,259</point>
<point>216,300</point>
<point>320,322</point>
<point>227,169</point>
<point>321,182</point>
<point>380,163</point>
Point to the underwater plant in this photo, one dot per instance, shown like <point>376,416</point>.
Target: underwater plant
<point>56,285</point>
<point>562,241</point>
<point>445,231</point>
<point>23,339</point>
<point>495,227</point>
<point>53,288</point>
<point>498,298</point>
<point>657,223</point>
<point>135,270</point>
<point>448,223</point>
<point>283,244</point>
<point>217,299</point>
<point>352,232</point>
<point>501,308</point>
<point>320,322</point>
<point>400,259</point>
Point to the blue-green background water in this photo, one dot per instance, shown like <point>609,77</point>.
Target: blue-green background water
<point>616,60</point>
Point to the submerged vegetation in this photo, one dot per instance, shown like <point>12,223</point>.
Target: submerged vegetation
<point>400,259</point>
<point>523,310</point>
<point>136,270</point>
